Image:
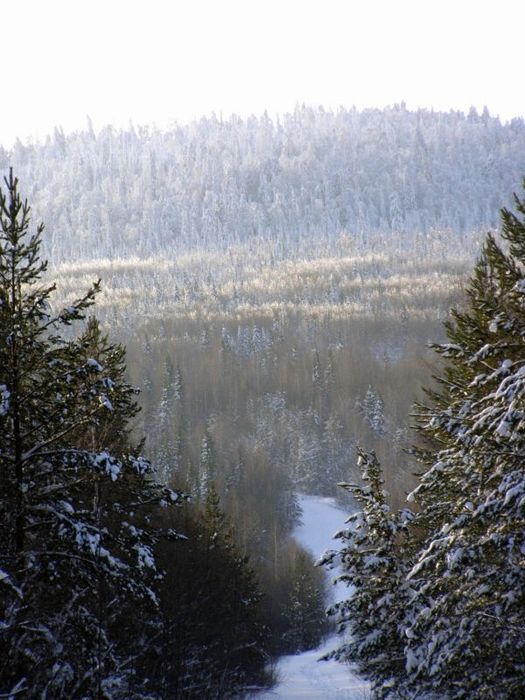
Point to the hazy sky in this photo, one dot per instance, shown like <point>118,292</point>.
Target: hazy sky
<point>162,60</point>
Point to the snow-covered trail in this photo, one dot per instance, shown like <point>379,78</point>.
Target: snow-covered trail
<point>303,675</point>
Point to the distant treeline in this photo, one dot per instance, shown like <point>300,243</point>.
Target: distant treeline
<point>310,173</point>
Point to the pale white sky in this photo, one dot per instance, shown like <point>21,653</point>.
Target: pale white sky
<point>162,60</point>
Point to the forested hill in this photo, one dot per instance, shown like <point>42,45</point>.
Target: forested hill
<point>309,173</point>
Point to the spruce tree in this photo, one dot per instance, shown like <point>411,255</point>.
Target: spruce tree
<point>76,548</point>
<point>467,638</point>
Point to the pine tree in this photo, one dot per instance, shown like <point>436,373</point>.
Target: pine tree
<point>110,429</point>
<point>236,590</point>
<point>76,550</point>
<point>467,638</point>
<point>316,370</point>
<point>178,386</point>
<point>334,455</point>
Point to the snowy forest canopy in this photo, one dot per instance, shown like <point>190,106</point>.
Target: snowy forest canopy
<point>307,174</point>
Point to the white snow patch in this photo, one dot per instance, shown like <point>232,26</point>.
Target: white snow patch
<point>4,399</point>
<point>304,676</point>
<point>503,428</point>
<point>93,364</point>
<point>106,402</point>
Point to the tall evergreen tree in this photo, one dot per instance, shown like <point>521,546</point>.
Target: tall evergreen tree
<point>467,638</point>
<point>304,609</point>
<point>76,551</point>
<point>207,463</point>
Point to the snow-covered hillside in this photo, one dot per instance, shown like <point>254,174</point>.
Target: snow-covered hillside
<point>304,675</point>
<point>310,174</point>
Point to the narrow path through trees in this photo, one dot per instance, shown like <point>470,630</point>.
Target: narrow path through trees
<point>303,675</point>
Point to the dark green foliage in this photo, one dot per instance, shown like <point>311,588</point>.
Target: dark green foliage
<point>293,605</point>
<point>97,599</point>
<point>305,606</point>
<point>213,640</point>
<point>76,550</point>
<point>112,429</point>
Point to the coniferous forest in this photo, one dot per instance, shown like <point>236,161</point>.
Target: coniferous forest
<point>220,317</point>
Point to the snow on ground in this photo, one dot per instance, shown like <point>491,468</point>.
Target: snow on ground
<point>321,519</point>
<point>303,675</point>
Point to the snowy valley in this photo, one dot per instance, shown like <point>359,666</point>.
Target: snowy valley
<point>323,314</point>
